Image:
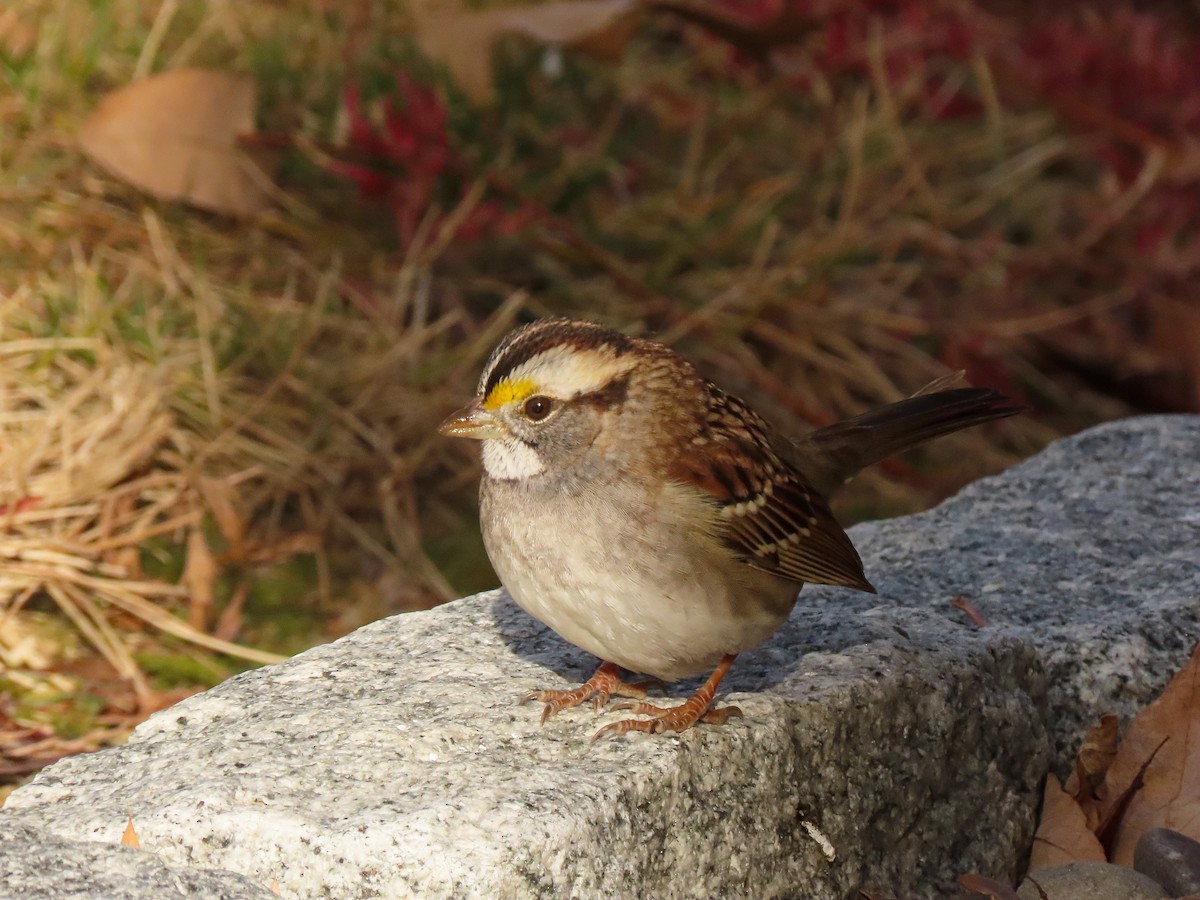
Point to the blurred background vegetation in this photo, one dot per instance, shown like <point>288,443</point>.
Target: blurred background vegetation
<point>217,420</point>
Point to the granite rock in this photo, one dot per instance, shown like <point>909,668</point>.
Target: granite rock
<point>394,762</point>
<point>1090,881</point>
<point>1170,858</point>
<point>38,865</point>
<point>1090,551</point>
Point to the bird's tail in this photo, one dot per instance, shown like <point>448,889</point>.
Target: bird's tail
<point>832,456</point>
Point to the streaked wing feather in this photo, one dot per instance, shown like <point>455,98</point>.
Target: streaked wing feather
<point>773,516</point>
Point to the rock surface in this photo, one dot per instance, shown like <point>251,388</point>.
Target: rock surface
<point>394,762</point>
<point>1090,881</point>
<point>1170,858</point>
<point>38,865</point>
<point>1090,550</point>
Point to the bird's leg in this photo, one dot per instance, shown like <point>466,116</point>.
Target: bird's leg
<point>602,686</point>
<point>697,708</point>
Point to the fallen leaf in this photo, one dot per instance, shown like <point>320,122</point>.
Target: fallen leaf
<point>976,617</point>
<point>175,135</point>
<point>988,887</point>
<point>130,838</point>
<point>1063,835</point>
<point>1166,733</point>
<point>463,40</point>
<point>1113,815</point>
<point>1096,753</point>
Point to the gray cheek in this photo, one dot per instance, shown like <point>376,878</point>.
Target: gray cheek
<point>561,446</point>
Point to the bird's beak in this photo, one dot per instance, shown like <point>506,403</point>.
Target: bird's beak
<point>472,422</point>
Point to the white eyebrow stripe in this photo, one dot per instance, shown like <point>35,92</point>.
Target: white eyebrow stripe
<point>567,371</point>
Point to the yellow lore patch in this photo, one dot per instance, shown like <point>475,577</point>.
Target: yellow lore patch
<point>508,390</point>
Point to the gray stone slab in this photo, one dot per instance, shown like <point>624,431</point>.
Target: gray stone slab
<point>38,865</point>
<point>395,763</point>
<point>1090,881</point>
<point>1090,550</point>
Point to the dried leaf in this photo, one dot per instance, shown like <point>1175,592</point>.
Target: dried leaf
<point>988,887</point>
<point>1170,797</point>
<point>1096,754</point>
<point>976,617</point>
<point>175,135</point>
<point>130,838</point>
<point>1063,835</point>
<point>463,40</point>
<point>1112,816</point>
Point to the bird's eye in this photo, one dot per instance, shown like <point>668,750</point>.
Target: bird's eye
<point>537,408</point>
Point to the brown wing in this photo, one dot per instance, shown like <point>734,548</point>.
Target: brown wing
<point>774,518</point>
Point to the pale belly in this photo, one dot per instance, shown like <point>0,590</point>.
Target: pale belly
<point>670,607</point>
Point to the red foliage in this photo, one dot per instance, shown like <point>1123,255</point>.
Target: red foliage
<point>409,164</point>
<point>1125,62</point>
<point>917,39</point>
<point>1133,82</point>
<point>836,37</point>
<point>1128,64</point>
<point>1126,77</point>
<point>1129,78</point>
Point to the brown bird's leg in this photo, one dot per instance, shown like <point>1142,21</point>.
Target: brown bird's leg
<point>606,683</point>
<point>697,708</point>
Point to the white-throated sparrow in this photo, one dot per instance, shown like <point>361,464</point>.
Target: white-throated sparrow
<point>654,520</point>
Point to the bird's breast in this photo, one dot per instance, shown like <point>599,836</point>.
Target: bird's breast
<point>637,575</point>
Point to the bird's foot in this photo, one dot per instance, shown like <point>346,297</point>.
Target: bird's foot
<point>697,708</point>
<point>672,718</point>
<point>600,688</point>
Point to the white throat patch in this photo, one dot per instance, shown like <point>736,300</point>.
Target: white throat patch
<point>510,459</point>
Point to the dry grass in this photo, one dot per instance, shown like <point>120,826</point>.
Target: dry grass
<point>190,408</point>
<point>207,425</point>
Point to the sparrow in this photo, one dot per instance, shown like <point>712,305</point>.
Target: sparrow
<point>657,521</point>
